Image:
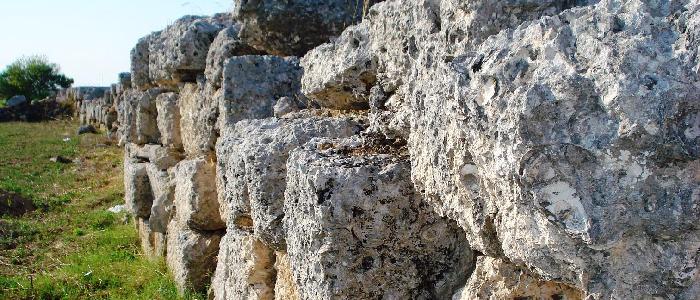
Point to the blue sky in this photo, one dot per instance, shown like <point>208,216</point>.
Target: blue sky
<point>89,39</point>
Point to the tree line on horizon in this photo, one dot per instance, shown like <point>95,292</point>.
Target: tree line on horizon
<point>33,77</point>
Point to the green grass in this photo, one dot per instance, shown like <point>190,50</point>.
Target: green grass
<point>70,247</point>
<point>2,103</point>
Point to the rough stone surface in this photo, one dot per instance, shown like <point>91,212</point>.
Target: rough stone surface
<point>356,228</point>
<point>180,51</point>
<point>152,243</point>
<point>227,44</point>
<point>196,196</point>
<point>285,286</point>
<point>191,255</point>
<point>340,74</point>
<point>246,268</point>
<point>138,114</point>
<point>163,189</point>
<point>137,188</point>
<point>251,172</point>
<point>140,56</point>
<point>294,27</point>
<point>495,279</point>
<point>167,105</point>
<point>253,84</point>
<point>162,158</point>
<point>198,115</point>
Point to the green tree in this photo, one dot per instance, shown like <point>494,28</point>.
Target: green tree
<point>34,77</point>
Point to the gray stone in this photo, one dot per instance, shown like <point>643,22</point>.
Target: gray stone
<point>495,279</point>
<point>198,114</point>
<point>294,27</point>
<point>140,58</point>
<point>245,269</point>
<point>252,84</point>
<point>178,54</point>
<point>195,194</point>
<point>251,170</point>
<point>356,228</point>
<point>16,101</point>
<point>85,129</point>
<point>227,44</point>
<point>137,188</point>
<point>191,256</point>
<point>163,189</point>
<point>168,107</point>
<point>552,145</point>
<point>137,115</point>
<point>162,158</point>
<point>284,106</point>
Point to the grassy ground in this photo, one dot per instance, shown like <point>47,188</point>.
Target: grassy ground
<point>71,247</point>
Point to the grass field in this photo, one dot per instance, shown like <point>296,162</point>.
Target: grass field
<point>70,247</point>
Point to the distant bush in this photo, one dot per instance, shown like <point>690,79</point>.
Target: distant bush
<point>34,77</point>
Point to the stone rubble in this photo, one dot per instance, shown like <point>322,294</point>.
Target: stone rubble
<point>417,149</point>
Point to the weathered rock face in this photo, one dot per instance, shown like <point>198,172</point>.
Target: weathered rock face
<point>251,173</point>
<point>356,229</point>
<point>191,255</point>
<point>198,117</point>
<point>168,109</point>
<point>180,51</point>
<point>195,195</point>
<point>497,279</point>
<point>253,84</point>
<point>227,44</point>
<point>294,27</point>
<point>152,243</point>
<point>245,268</point>
<point>549,139</point>
<point>507,149</point>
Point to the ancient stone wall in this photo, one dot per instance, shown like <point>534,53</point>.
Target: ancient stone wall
<point>419,150</point>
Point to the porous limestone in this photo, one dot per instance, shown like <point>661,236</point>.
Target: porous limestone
<point>252,85</point>
<point>356,228</point>
<point>196,196</point>
<point>251,168</point>
<point>294,27</point>
<point>167,105</point>
<point>191,255</point>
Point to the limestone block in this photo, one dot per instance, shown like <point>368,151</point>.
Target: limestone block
<point>168,107</point>
<point>251,172</point>
<point>152,243</point>
<point>495,279</point>
<point>356,228</point>
<point>252,84</point>
<point>246,268</point>
<point>191,255</point>
<point>196,195</point>
<point>294,27</point>
<point>227,44</point>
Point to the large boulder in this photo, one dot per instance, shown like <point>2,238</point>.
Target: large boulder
<point>140,58</point>
<point>251,172</point>
<point>16,101</point>
<point>294,27</point>
<point>357,229</point>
